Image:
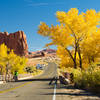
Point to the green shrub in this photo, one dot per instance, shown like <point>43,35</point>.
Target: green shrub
<point>88,79</point>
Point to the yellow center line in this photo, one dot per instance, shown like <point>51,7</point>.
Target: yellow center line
<point>7,90</point>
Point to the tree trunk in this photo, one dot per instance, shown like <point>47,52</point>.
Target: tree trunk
<point>73,58</point>
<point>75,65</point>
<point>75,55</point>
<point>92,58</point>
<point>80,58</point>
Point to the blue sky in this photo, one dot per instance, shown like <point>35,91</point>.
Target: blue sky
<point>26,15</point>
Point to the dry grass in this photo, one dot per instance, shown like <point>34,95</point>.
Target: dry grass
<point>34,61</point>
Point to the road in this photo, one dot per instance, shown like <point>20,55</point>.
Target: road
<point>38,89</point>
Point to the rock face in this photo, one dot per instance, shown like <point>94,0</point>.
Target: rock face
<point>42,53</point>
<point>16,41</point>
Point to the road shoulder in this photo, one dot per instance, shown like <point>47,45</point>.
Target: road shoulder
<point>71,93</point>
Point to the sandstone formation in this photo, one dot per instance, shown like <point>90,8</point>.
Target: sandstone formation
<point>42,53</point>
<point>16,41</point>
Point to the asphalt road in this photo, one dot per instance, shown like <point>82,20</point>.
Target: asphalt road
<point>38,89</point>
<point>32,89</point>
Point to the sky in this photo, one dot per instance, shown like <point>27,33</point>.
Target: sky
<point>26,15</point>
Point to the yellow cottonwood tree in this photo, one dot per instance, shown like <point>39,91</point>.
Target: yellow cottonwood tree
<point>9,61</point>
<point>65,58</point>
<point>3,56</point>
<point>91,47</point>
<point>72,30</point>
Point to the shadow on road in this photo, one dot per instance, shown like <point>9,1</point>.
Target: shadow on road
<point>59,87</point>
<point>71,94</point>
<point>36,79</point>
<point>72,91</point>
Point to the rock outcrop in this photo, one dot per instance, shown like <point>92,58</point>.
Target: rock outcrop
<point>16,41</point>
<point>42,53</point>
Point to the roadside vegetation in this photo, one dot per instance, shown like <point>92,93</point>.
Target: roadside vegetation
<point>33,70</point>
<point>37,71</point>
<point>88,79</point>
<point>10,62</point>
<point>77,37</point>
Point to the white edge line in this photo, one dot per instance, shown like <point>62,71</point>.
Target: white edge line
<point>54,95</point>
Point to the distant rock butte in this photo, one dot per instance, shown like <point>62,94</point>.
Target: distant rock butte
<point>42,53</point>
<point>16,41</point>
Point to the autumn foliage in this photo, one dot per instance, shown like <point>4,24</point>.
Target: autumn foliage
<point>77,37</point>
<point>10,62</point>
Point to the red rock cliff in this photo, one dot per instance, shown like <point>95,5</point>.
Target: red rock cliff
<point>16,41</point>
